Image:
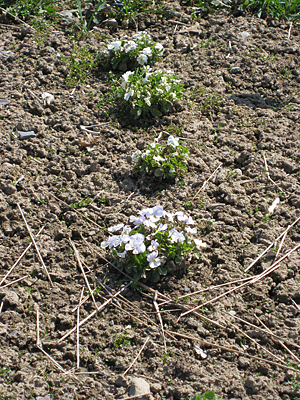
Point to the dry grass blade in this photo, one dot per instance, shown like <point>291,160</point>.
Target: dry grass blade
<point>206,182</point>
<point>75,211</point>
<point>137,356</point>
<point>272,244</point>
<point>83,273</point>
<point>93,313</point>
<point>160,319</point>
<point>1,306</point>
<point>16,18</point>
<point>290,30</point>
<point>268,174</point>
<point>78,321</point>
<point>38,343</point>
<point>232,350</point>
<point>35,245</point>
<point>269,333</point>
<point>20,258</point>
<point>86,128</point>
<point>297,305</point>
<point>15,281</point>
<point>279,341</point>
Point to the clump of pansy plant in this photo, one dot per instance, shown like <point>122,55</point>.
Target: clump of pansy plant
<point>166,160</point>
<point>126,53</point>
<point>154,242</point>
<point>146,92</point>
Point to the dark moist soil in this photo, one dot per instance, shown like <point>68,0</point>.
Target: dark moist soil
<point>241,103</point>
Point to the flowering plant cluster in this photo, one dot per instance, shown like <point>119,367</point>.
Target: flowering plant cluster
<point>154,243</point>
<point>146,92</point>
<point>163,159</point>
<point>138,51</point>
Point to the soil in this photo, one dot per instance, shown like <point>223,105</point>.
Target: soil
<point>240,111</point>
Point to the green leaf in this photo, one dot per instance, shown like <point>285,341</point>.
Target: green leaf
<point>209,396</point>
<point>158,172</point>
<point>155,112</point>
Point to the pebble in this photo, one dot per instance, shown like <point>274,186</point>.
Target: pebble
<point>139,387</point>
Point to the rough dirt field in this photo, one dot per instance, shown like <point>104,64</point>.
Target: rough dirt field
<point>240,109</point>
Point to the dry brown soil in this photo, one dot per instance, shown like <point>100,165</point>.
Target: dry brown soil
<point>240,104</point>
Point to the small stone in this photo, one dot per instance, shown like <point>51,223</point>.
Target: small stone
<point>121,381</point>
<point>139,387</point>
<point>245,35</point>
<point>235,70</point>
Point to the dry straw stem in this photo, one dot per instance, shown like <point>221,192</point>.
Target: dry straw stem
<point>78,321</point>
<point>93,313</point>
<point>72,209</point>
<point>136,397</point>
<point>83,273</point>
<point>279,341</point>
<point>268,174</point>
<point>290,29</point>
<point>35,245</point>
<point>232,350</point>
<point>206,182</point>
<point>38,343</point>
<point>20,258</point>
<point>269,333</point>
<point>255,279</point>
<point>297,306</point>
<point>257,344</point>
<point>272,244</point>
<point>206,289</point>
<point>16,18</point>
<point>16,281</point>
<point>137,356</point>
<point>86,128</point>
<point>1,306</point>
<point>160,319</point>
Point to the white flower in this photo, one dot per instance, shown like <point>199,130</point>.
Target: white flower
<point>147,101</point>
<point>172,171</point>
<point>153,246</point>
<point>170,216</point>
<point>199,243</point>
<point>159,47</point>
<point>180,216</point>
<point>115,228</point>
<point>174,142</point>
<point>158,158</point>
<point>122,255</point>
<point>112,241</point>
<point>136,244</point>
<point>189,221</point>
<point>136,155</point>
<point>126,230</point>
<point>161,228</point>
<point>124,238</point>
<point>125,78</point>
<point>114,45</point>
<point>146,153</point>
<point>129,93</point>
<point>176,236</point>
<point>149,224</point>
<point>154,260</point>
<point>190,230</point>
<point>147,51</point>
<point>130,45</point>
<point>155,213</point>
<point>142,59</point>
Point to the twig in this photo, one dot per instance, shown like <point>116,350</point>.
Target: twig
<point>20,258</point>
<point>94,312</point>
<point>10,26</point>
<point>83,273</point>
<point>282,344</point>
<point>206,182</point>
<point>268,175</point>
<point>272,244</point>
<point>16,281</point>
<point>160,319</point>
<point>85,128</point>
<point>16,18</point>
<point>289,34</point>
<point>78,320</point>
<point>35,245</point>
<point>231,350</point>
<point>138,354</point>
